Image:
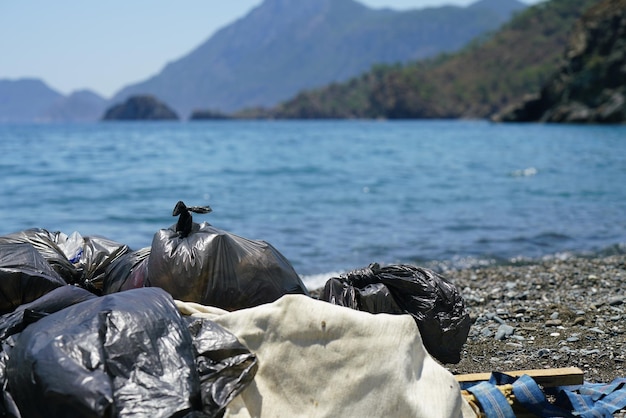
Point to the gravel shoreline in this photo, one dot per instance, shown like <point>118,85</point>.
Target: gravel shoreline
<point>548,314</point>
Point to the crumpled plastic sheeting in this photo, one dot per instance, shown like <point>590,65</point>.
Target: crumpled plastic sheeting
<point>321,360</point>
<point>77,259</point>
<point>11,324</point>
<point>53,301</point>
<point>126,354</point>
<point>98,254</point>
<point>217,268</point>
<point>51,246</point>
<point>129,271</point>
<point>24,275</point>
<point>225,366</point>
<point>435,303</point>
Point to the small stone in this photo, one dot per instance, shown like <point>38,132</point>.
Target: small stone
<point>544,352</point>
<point>579,320</point>
<point>555,315</point>
<point>504,331</point>
<point>553,322</point>
<point>596,330</point>
<point>486,332</point>
<point>572,339</point>
<point>616,300</point>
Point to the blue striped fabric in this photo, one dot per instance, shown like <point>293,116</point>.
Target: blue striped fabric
<point>529,394</point>
<point>589,400</point>
<point>492,402</point>
<point>596,399</point>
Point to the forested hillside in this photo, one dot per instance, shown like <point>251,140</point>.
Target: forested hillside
<point>476,82</point>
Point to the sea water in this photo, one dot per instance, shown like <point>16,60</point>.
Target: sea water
<point>329,195</point>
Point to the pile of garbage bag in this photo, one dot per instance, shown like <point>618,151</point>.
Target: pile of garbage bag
<point>90,327</point>
<point>127,354</point>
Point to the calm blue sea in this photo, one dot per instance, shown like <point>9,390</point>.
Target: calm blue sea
<point>330,195</point>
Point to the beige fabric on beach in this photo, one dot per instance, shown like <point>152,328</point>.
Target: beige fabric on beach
<point>321,360</point>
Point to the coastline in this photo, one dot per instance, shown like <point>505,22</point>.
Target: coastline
<point>546,314</point>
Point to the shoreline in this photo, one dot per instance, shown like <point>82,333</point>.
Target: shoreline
<point>549,313</point>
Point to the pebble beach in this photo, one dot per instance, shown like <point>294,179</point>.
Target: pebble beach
<point>547,314</point>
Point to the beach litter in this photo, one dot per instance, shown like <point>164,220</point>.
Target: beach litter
<point>434,303</point>
<point>204,323</point>
<point>200,263</point>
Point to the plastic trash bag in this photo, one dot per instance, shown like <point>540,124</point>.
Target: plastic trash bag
<point>225,366</point>
<point>129,271</point>
<point>125,354</point>
<point>200,263</point>
<point>98,254</point>
<point>11,324</point>
<point>435,303</point>
<point>52,247</point>
<point>53,301</point>
<point>77,259</point>
<point>24,275</point>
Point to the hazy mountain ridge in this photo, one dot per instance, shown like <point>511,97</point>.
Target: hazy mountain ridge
<point>279,49</point>
<point>260,59</point>
<point>25,99</point>
<point>32,100</point>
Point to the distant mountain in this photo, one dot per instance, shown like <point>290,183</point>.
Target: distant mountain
<point>31,100</point>
<point>79,106</point>
<point>475,82</point>
<point>25,100</point>
<point>590,86</point>
<point>284,46</point>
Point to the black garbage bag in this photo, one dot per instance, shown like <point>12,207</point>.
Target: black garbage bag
<point>24,275</point>
<point>434,303</point>
<point>126,354</point>
<point>200,263</point>
<point>129,271</point>
<point>53,301</point>
<point>52,247</point>
<point>11,324</point>
<point>224,365</point>
<point>97,256</point>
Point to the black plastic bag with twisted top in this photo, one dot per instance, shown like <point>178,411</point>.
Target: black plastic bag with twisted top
<point>434,303</point>
<point>203,264</point>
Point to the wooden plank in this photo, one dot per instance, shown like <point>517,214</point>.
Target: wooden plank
<point>546,377</point>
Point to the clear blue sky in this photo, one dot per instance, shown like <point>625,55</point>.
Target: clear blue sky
<point>105,45</point>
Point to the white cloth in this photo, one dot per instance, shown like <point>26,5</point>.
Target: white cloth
<point>321,360</point>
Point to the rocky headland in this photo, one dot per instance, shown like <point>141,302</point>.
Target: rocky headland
<point>590,86</point>
<point>143,107</point>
